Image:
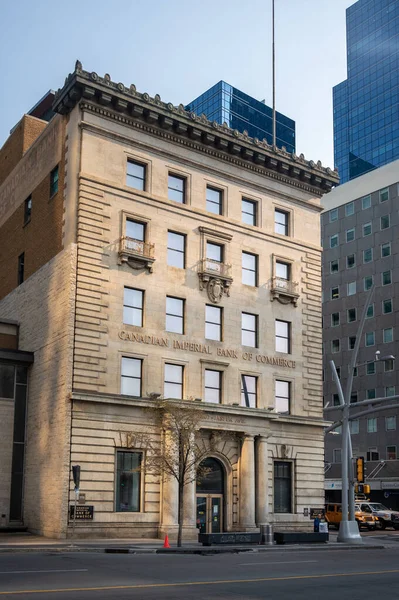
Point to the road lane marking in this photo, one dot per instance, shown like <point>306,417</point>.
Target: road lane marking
<point>48,571</point>
<point>280,562</point>
<point>142,586</point>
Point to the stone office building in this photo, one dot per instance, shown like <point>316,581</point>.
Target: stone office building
<point>147,251</point>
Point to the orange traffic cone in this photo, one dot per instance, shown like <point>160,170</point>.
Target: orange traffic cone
<point>166,542</point>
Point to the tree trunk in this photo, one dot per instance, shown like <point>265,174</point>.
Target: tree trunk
<point>181,514</point>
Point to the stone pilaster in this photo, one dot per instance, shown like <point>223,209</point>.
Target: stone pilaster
<point>262,471</point>
<point>247,484</point>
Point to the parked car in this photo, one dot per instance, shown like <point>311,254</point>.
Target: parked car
<point>385,516</point>
<point>333,516</point>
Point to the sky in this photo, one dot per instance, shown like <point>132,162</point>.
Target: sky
<point>178,50</point>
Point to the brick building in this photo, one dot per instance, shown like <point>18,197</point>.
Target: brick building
<point>145,250</point>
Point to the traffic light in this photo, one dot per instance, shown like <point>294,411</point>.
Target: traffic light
<point>76,475</point>
<point>360,469</point>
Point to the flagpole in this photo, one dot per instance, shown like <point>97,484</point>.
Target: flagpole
<point>274,78</point>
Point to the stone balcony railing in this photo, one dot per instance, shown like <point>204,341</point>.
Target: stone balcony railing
<point>216,277</point>
<point>284,290</point>
<point>136,253</point>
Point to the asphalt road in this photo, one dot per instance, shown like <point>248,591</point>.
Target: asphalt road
<point>278,574</point>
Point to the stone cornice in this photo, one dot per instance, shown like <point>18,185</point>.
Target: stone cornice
<point>115,101</point>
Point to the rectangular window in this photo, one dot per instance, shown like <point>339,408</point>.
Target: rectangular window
<point>176,249</point>
<point>391,452</point>
<point>388,365</point>
<point>249,269</point>
<point>350,261</point>
<point>283,270</point>
<point>337,455</point>
<point>384,195</point>
<point>389,391</point>
<point>214,252</point>
<point>335,346</point>
<point>173,382</point>
<point>386,278</point>
<point>388,335</point>
<point>281,222</point>
<point>128,481</point>
<point>373,454</point>
<point>213,386</point>
<point>283,397</point>
<point>370,394</point>
<point>367,255</point>
<point>283,341</point>
<point>248,212</point>
<point>131,374</point>
<point>351,288</point>
<point>390,423</point>
<point>372,425</point>
<point>27,210</point>
<point>351,342</point>
<point>334,293</point>
<point>135,175</point>
<point>349,209</point>
<point>333,214</point>
<point>7,380</point>
<point>174,315</point>
<point>385,249</point>
<point>370,311</point>
<point>135,230</point>
<point>385,222</point>
<point>133,301</point>
<point>370,368</point>
<point>213,323</point>
<point>54,182</point>
<point>249,330</point>
<point>282,487</point>
<point>351,315</point>
<point>366,202</point>
<point>177,188</point>
<point>334,240</point>
<point>214,200</point>
<point>335,319</point>
<point>387,306</point>
<point>21,268</point>
<point>353,398</point>
<point>354,426</point>
<point>369,338</point>
<point>367,282</point>
<point>350,235</point>
<point>334,266</point>
<point>367,229</point>
<point>249,385</point>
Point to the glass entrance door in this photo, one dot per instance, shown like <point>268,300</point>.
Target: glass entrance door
<point>210,513</point>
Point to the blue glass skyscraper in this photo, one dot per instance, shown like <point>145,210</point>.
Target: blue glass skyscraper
<point>366,104</point>
<point>224,103</point>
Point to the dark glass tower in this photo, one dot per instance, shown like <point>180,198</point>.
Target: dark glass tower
<point>366,104</point>
<point>224,103</point>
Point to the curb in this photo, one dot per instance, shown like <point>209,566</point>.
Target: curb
<point>199,551</point>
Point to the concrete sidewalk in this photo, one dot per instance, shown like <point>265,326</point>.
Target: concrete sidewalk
<point>26,542</point>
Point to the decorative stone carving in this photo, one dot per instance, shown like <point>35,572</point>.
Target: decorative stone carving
<point>121,87</point>
<point>107,78</point>
<point>132,88</point>
<point>284,291</point>
<point>78,66</point>
<point>215,289</point>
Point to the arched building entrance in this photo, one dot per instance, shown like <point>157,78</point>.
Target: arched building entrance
<point>210,497</point>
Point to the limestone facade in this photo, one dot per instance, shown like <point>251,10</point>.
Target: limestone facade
<point>77,413</point>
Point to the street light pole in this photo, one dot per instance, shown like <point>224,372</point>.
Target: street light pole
<point>348,529</point>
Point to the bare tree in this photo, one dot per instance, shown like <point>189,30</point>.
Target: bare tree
<point>182,449</point>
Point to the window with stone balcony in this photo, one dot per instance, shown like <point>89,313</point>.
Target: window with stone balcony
<point>134,247</point>
<point>214,270</point>
<point>283,288</point>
